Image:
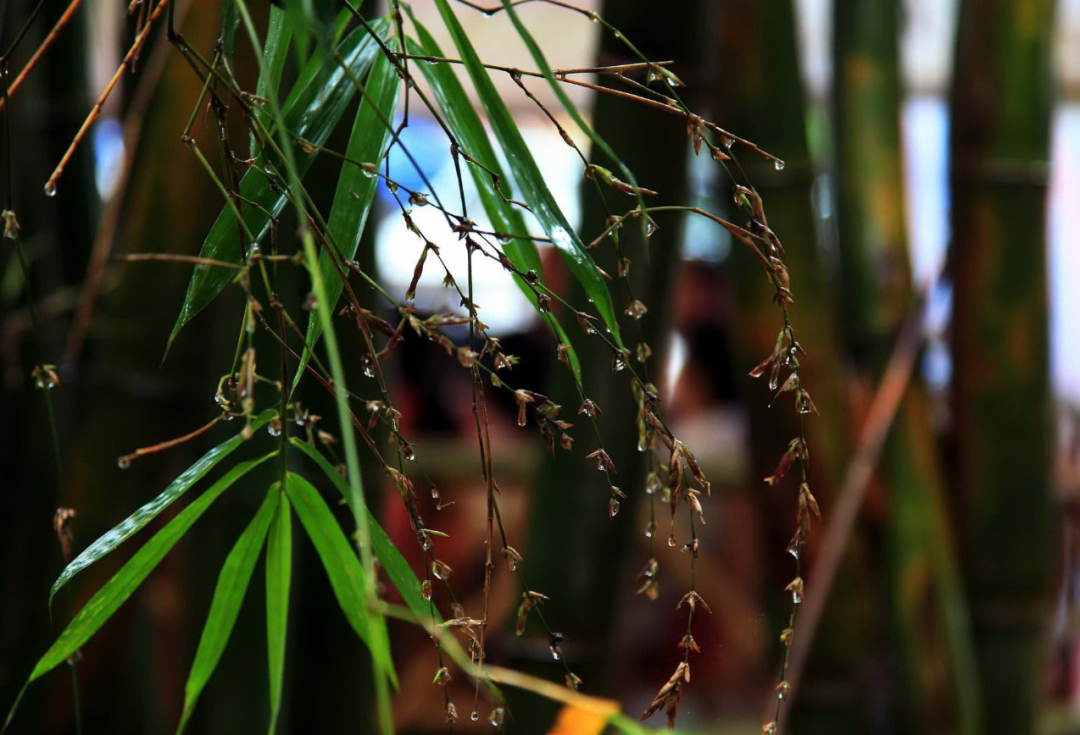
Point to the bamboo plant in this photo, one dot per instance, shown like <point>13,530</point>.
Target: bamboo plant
<point>1001,102</point>
<point>285,346</point>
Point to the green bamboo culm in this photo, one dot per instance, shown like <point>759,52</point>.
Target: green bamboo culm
<point>928,624</point>
<point>759,93</point>
<point>1001,103</point>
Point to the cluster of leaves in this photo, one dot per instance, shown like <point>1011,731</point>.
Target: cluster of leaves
<point>376,60</point>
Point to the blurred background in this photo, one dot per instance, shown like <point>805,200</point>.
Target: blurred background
<point>928,207</point>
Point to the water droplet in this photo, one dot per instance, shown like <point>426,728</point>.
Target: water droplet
<point>368,366</point>
<point>123,463</point>
<point>671,540</point>
<point>613,508</point>
<point>727,142</point>
<point>503,238</point>
<point>650,530</point>
<point>434,492</point>
<point>408,453</point>
<point>425,589</point>
<point>274,427</point>
<point>778,165</point>
<point>794,551</point>
<point>50,189</point>
<point>497,717</point>
<point>440,569</point>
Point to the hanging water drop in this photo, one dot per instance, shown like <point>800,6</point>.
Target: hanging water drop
<point>778,165</point>
<point>613,508</point>
<point>440,569</point>
<point>408,453</point>
<point>425,589</point>
<point>123,463</point>
<point>368,366</point>
<point>50,188</point>
<point>274,427</point>
<point>475,716</point>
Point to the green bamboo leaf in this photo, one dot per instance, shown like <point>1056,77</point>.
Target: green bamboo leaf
<point>356,189</point>
<point>528,177</point>
<point>301,14</point>
<point>278,581</point>
<point>343,568</point>
<point>229,594</point>
<point>570,107</point>
<point>393,563</point>
<point>279,32</point>
<point>312,110</point>
<point>397,569</point>
<point>466,124</point>
<point>118,589</point>
<point>133,523</point>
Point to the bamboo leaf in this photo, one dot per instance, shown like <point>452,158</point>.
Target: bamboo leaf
<point>312,110</point>
<point>118,589</point>
<point>229,594</point>
<point>466,125</point>
<point>393,563</point>
<point>570,107</point>
<point>528,177</point>
<point>133,523</point>
<point>278,581</point>
<point>343,568</point>
<point>279,32</point>
<point>397,569</point>
<point>355,189</point>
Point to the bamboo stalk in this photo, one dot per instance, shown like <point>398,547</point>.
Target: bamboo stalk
<point>759,94</point>
<point>1001,104</point>
<point>927,621</point>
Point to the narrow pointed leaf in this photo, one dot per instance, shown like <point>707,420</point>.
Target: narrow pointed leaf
<point>279,31</point>
<point>568,105</point>
<point>528,177</point>
<point>466,124</point>
<point>318,100</point>
<point>118,589</point>
<point>278,581</point>
<point>356,189</point>
<point>343,568</point>
<point>390,558</point>
<point>397,569</point>
<point>149,511</point>
<point>229,594</point>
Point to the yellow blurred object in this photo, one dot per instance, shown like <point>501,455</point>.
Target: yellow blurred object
<point>574,720</point>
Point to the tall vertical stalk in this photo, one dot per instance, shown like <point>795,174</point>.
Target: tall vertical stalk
<point>928,616</point>
<point>1001,103</point>
<point>759,92</point>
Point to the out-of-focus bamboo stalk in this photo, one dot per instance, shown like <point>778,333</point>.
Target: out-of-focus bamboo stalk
<point>570,503</point>
<point>1002,96</point>
<point>758,93</point>
<point>927,620</point>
